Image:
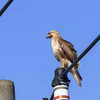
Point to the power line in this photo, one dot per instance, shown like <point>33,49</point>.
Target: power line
<point>5,7</point>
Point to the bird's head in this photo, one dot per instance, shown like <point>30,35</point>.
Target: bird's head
<point>52,34</point>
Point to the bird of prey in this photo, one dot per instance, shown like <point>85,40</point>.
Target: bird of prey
<point>65,53</point>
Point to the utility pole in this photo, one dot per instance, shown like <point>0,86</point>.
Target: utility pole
<point>7,90</point>
<point>60,85</point>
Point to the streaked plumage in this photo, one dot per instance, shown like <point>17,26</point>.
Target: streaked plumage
<point>65,54</point>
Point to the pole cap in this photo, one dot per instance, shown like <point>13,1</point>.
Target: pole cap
<point>58,80</point>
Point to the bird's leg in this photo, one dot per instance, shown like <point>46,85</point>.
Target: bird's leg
<point>62,65</point>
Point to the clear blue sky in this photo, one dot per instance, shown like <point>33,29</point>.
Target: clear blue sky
<point>26,56</point>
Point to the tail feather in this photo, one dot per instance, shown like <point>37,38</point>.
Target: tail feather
<point>77,80</point>
<point>76,75</point>
<point>79,76</point>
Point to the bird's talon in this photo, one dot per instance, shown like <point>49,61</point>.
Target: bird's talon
<point>61,67</point>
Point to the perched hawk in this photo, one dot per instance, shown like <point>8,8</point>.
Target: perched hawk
<point>65,54</point>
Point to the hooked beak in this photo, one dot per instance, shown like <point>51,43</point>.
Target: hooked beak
<point>49,36</point>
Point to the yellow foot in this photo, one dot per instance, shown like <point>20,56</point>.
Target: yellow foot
<point>61,67</point>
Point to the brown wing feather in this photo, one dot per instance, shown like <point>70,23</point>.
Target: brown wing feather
<point>68,49</point>
<point>70,52</point>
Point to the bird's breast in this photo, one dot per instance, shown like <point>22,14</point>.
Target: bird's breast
<point>55,45</point>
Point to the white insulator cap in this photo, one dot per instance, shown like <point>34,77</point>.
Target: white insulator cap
<point>61,92</point>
